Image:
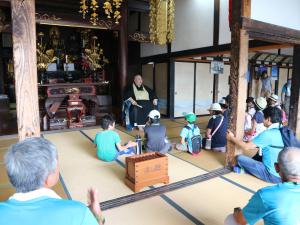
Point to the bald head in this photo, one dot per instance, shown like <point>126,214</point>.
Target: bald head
<point>289,163</point>
<point>138,80</point>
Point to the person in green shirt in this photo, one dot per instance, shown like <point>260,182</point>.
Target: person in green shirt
<point>108,141</point>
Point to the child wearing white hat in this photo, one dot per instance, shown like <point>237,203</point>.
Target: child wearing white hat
<point>155,134</point>
<point>216,129</point>
<point>258,119</point>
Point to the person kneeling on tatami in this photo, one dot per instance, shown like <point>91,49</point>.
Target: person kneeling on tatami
<point>155,134</point>
<point>108,141</point>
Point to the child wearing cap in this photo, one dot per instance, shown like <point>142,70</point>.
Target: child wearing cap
<point>224,107</point>
<point>155,134</point>
<point>186,134</point>
<point>258,119</point>
<point>273,102</point>
<point>216,128</point>
<point>108,141</point>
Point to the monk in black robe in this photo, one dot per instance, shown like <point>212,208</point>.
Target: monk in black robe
<point>142,99</point>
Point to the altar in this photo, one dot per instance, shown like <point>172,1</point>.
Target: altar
<point>71,105</point>
<point>72,76</point>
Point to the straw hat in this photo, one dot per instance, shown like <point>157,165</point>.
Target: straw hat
<point>215,107</point>
<point>261,103</point>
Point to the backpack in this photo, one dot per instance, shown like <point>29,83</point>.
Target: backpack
<point>288,137</point>
<point>196,141</point>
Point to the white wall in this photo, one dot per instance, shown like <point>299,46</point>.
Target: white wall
<point>193,24</point>
<point>204,87</point>
<point>224,31</point>
<point>184,88</point>
<point>280,12</point>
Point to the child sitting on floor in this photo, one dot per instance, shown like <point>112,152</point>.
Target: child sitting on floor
<point>109,143</point>
<point>155,134</point>
<point>187,133</point>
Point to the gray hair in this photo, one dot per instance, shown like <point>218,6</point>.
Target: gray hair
<point>29,163</point>
<point>289,162</point>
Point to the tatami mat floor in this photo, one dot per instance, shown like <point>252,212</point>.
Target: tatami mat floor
<point>207,202</point>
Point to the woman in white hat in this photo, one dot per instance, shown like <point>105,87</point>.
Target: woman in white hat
<point>258,119</point>
<point>216,128</point>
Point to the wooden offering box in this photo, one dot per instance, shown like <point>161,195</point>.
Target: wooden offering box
<point>145,170</point>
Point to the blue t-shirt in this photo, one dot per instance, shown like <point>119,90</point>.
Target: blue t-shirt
<point>106,142</point>
<point>219,138</point>
<point>258,117</point>
<point>279,204</point>
<point>45,211</point>
<point>270,141</point>
<point>189,133</point>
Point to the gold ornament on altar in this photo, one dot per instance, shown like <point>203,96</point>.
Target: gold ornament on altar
<point>44,57</point>
<point>95,55</point>
<point>111,9</point>
<point>161,25</point>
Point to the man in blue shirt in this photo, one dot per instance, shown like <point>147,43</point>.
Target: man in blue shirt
<point>32,168</point>
<point>279,204</point>
<point>269,143</point>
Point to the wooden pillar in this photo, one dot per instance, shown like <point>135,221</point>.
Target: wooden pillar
<point>123,50</point>
<point>238,74</point>
<point>24,54</point>
<point>294,117</point>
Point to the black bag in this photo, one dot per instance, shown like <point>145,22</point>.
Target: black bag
<point>196,141</point>
<point>288,137</point>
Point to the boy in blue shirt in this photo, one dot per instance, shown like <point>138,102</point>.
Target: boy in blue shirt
<point>109,143</point>
<point>270,144</point>
<point>187,134</point>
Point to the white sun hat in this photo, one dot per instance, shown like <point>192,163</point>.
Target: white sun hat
<point>154,114</point>
<point>261,103</point>
<point>215,107</point>
<point>274,97</point>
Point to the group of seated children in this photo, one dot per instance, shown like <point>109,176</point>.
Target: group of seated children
<point>108,141</point>
<point>254,119</point>
<point>109,146</point>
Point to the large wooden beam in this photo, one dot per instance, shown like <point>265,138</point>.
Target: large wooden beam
<point>294,117</point>
<point>24,51</point>
<point>270,32</point>
<point>238,71</point>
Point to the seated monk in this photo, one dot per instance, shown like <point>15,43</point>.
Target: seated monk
<point>142,100</point>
